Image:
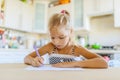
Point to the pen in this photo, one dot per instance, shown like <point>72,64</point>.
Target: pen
<point>37,53</point>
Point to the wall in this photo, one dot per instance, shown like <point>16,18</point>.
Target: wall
<point>103,31</point>
<point>41,39</point>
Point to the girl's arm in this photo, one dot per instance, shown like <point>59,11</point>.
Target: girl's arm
<point>92,60</point>
<point>33,59</point>
<point>90,63</point>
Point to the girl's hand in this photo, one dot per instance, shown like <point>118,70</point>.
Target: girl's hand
<point>36,62</point>
<point>64,64</point>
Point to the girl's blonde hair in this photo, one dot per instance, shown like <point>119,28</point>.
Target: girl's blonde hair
<point>61,20</point>
<point>58,19</point>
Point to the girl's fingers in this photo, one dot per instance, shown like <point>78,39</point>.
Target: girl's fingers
<point>36,62</point>
<point>40,59</point>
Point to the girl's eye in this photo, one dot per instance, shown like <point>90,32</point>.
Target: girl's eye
<point>62,37</point>
<point>52,37</point>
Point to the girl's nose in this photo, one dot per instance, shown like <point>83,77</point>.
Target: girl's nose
<point>56,41</point>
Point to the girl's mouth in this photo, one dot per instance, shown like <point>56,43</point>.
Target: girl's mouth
<point>58,46</point>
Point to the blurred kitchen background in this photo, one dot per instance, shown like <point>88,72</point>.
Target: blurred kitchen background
<point>23,24</point>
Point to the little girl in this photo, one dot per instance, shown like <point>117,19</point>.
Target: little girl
<point>60,31</point>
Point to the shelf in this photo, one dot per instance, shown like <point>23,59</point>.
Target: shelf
<point>105,51</point>
<point>98,14</point>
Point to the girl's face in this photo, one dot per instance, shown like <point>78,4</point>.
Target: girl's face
<point>60,37</point>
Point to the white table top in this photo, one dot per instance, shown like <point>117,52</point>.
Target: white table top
<point>18,72</point>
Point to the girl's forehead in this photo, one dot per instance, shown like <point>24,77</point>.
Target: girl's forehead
<point>58,32</point>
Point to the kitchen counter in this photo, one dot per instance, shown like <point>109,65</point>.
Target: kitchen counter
<point>18,72</point>
<point>105,51</point>
<point>17,55</point>
<point>13,55</point>
<point>93,50</point>
<point>14,50</point>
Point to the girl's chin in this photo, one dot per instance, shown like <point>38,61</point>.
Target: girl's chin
<point>59,47</point>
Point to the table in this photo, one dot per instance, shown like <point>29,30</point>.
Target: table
<point>17,72</point>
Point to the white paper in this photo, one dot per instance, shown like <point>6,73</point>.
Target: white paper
<point>46,58</point>
<point>49,67</point>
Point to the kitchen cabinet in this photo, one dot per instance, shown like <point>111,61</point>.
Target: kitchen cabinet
<point>78,13</point>
<point>99,7</point>
<point>79,10</point>
<point>12,14</point>
<point>18,15</point>
<point>26,18</point>
<point>93,8</point>
<point>87,9</point>
<point>116,13</point>
<point>40,16</point>
<point>104,5</point>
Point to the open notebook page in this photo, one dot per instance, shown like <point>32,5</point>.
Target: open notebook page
<point>49,67</point>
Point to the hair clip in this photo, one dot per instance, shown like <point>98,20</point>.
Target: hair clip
<point>63,11</point>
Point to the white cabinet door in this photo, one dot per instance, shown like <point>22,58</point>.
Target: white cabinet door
<point>95,8</point>
<point>18,15</point>
<point>89,6</point>
<point>12,14</point>
<point>78,14</point>
<point>99,6</point>
<point>40,17</point>
<point>104,5</point>
<point>27,17</point>
<point>117,13</point>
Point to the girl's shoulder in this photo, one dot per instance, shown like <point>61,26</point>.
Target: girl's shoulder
<point>79,48</point>
<point>76,46</point>
<point>49,44</point>
<point>48,47</point>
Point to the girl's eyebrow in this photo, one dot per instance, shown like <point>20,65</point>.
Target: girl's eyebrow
<point>62,35</point>
<point>58,35</point>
